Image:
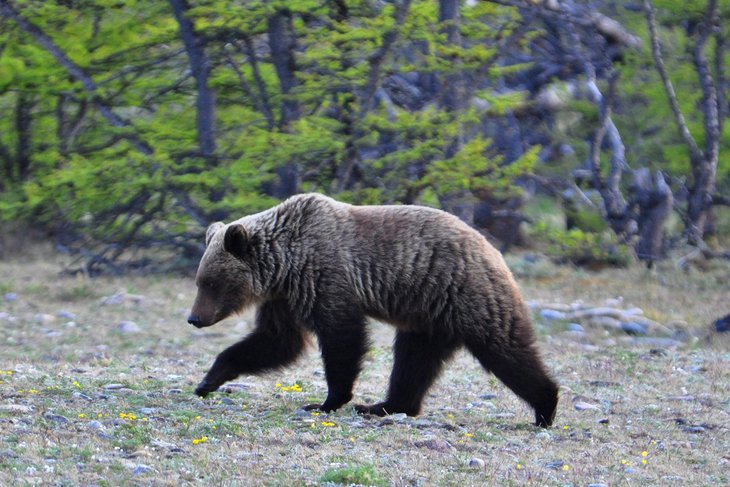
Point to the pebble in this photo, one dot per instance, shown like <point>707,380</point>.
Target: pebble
<point>128,327</point>
<point>95,425</point>
<point>476,463</point>
<point>693,429</point>
<point>4,315</point>
<point>555,464</point>
<point>597,485</point>
<point>174,391</point>
<point>142,469</point>
<point>227,401</point>
<point>633,328</point>
<point>584,406</point>
<point>147,411</point>
<point>66,314</point>
<point>551,314</point>
<point>164,445</point>
<point>576,327</point>
<point>113,386</point>
<point>117,298</point>
<point>81,395</point>
<point>488,397</point>
<point>10,297</point>
<point>44,318</point>
<point>434,444</point>
<point>57,418</point>
<point>654,342</point>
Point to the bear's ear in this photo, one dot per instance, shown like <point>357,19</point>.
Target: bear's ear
<point>212,229</point>
<point>237,240</point>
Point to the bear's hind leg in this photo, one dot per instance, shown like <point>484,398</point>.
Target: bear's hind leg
<point>518,365</point>
<point>277,341</point>
<point>418,359</point>
<point>343,346</point>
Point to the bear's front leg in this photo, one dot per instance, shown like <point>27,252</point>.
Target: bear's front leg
<point>274,343</point>
<point>343,347</point>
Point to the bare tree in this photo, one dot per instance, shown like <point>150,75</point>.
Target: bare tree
<point>703,160</point>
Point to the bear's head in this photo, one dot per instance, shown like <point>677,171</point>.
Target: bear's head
<point>227,280</point>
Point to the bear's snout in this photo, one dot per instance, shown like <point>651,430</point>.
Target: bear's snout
<point>195,321</point>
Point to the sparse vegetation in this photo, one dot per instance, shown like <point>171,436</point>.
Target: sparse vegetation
<point>82,402</point>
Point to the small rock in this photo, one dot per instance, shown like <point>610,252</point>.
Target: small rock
<point>164,445</point>
<point>10,297</point>
<point>56,418</point>
<point>424,423</point>
<point>693,429</point>
<point>551,314</point>
<point>147,411</point>
<point>8,454</point>
<point>655,342</point>
<point>476,463</point>
<point>488,397</point>
<point>66,315</point>
<point>227,401</point>
<point>302,414</point>
<point>128,327</point>
<point>434,444</point>
<point>597,485</point>
<point>583,406</point>
<point>633,328</point>
<point>113,386</point>
<point>117,298</point>
<point>603,421</point>
<point>576,327</point>
<point>44,319</point>
<point>81,395</point>
<point>555,464</point>
<point>174,391</point>
<point>94,425</point>
<point>4,315</point>
<point>142,469</point>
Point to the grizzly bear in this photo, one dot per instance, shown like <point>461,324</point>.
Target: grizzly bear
<point>315,265</point>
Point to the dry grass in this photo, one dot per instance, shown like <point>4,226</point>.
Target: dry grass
<point>655,418</point>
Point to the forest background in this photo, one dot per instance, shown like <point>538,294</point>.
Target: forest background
<point>590,133</point>
<point>593,131</point>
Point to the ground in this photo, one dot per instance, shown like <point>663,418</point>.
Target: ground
<point>96,381</point>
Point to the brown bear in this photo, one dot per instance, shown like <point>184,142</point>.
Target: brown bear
<point>315,265</point>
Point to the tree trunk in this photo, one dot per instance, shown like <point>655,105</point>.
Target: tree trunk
<point>655,201</point>
<point>200,67</point>
<point>23,119</point>
<point>282,43</point>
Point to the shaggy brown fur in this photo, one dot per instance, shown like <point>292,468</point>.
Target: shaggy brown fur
<point>312,264</point>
